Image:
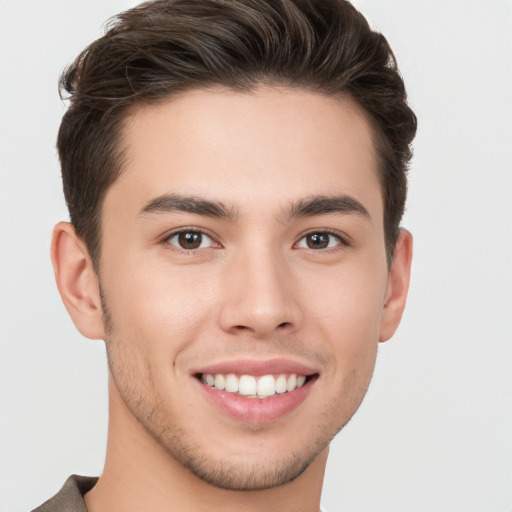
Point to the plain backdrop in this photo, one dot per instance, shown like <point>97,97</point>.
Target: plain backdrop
<point>434,433</point>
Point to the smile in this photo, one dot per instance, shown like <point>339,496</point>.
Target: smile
<point>251,386</point>
<point>256,392</point>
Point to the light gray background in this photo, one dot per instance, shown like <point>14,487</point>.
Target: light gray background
<point>435,431</point>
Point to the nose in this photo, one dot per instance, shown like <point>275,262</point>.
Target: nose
<point>259,296</point>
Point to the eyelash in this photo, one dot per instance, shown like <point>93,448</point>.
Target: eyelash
<point>341,241</point>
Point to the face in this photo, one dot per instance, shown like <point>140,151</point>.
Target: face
<point>243,271</point>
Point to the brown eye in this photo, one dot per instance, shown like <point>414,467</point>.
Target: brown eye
<point>190,240</point>
<point>319,240</point>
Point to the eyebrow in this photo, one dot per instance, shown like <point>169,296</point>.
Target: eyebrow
<point>167,203</point>
<point>308,207</point>
<point>324,205</point>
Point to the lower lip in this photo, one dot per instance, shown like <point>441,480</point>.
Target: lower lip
<point>257,410</point>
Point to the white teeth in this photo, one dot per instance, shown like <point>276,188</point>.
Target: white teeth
<point>254,387</point>
<point>220,381</point>
<point>291,383</point>
<point>231,383</point>
<point>247,385</point>
<point>266,385</point>
<point>281,384</point>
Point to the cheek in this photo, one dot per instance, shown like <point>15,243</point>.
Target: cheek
<point>351,324</point>
<point>348,313</point>
<point>158,310</point>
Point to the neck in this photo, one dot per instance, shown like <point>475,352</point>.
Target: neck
<point>140,474</point>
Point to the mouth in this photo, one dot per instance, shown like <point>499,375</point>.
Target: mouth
<point>256,392</point>
<point>253,386</point>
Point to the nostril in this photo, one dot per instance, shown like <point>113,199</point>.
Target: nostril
<point>284,324</point>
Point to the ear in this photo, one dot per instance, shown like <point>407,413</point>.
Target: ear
<point>76,280</point>
<point>398,285</point>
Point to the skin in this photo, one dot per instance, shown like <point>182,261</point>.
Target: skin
<point>253,290</point>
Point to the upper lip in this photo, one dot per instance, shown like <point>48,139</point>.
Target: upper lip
<point>257,368</point>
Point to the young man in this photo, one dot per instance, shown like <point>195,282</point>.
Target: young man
<point>235,175</point>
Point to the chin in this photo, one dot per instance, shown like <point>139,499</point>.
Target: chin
<point>262,458</point>
<point>239,473</point>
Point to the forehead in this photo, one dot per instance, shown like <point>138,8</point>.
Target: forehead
<point>279,143</point>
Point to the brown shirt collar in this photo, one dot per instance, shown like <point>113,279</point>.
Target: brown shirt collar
<point>71,497</point>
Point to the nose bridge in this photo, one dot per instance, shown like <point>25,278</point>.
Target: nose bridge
<point>259,296</point>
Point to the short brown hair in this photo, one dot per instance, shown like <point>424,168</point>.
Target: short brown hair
<point>162,47</point>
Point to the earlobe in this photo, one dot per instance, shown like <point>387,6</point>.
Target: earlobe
<point>77,283</point>
<point>398,286</point>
